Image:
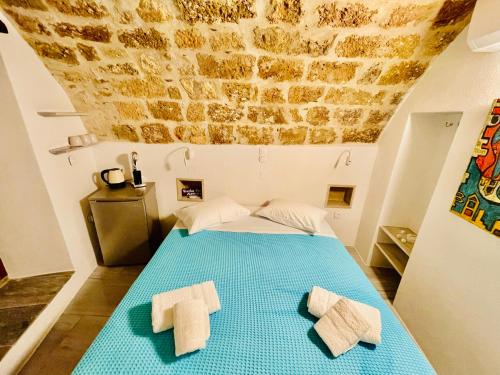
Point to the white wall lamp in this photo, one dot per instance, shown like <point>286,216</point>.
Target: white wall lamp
<point>188,155</point>
<point>347,159</point>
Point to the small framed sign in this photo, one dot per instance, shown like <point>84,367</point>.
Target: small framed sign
<point>189,190</point>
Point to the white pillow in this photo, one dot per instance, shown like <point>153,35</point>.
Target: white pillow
<point>296,215</point>
<point>216,211</point>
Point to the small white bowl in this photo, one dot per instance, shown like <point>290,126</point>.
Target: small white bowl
<point>94,138</point>
<point>75,141</point>
<point>411,238</point>
<point>86,139</point>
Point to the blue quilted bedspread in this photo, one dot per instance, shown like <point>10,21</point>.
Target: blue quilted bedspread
<point>264,326</point>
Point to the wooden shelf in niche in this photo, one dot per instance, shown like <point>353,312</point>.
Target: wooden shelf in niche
<point>392,233</point>
<point>394,255</point>
<point>392,248</point>
<point>338,196</point>
<point>190,190</point>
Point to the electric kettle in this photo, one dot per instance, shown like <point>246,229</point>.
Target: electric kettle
<point>113,177</point>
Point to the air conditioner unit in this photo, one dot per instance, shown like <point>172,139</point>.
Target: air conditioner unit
<point>484,28</point>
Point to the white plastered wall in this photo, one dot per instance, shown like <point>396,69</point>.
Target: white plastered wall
<point>31,242</point>
<point>299,173</point>
<point>34,90</point>
<point>449,294</point>
<point>424,148</point>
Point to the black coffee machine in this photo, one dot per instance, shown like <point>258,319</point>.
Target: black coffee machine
<point>136,173</point>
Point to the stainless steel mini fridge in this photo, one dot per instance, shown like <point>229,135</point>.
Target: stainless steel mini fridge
<point>127,224</point>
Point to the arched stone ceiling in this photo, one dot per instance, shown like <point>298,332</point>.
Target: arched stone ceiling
<point>238,71</point>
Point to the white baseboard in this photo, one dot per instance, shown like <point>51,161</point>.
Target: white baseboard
<point>29,341</point>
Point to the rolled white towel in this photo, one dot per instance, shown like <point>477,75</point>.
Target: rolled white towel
<point>321,300</point>
<point>191,326</point>
<point>341,327</point>
<point>163,303</point>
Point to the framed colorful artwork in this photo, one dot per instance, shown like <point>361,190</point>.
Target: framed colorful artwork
<point>478,196</point>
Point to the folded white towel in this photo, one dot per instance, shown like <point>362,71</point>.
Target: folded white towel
<point>163,303</point>
<point>207,292</point>
<point>341,327</point>
<point>191,326</point>
<point>321,300</point>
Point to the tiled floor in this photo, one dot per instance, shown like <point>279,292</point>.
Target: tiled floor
<point>385,280</point>
<point>88,312</point>
<point>22,300</point>
<point>81,322</point>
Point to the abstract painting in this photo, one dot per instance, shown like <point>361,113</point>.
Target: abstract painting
<point>478,196</point>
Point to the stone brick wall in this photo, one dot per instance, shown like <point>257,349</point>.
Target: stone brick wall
<point>238,71</point>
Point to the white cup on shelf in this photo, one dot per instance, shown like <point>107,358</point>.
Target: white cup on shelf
<point>411,238</point>
<point>86,139</point>
<point>93,138</point>
<point>75,141</point>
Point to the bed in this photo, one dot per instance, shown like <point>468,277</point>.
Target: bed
<point>262,271</point>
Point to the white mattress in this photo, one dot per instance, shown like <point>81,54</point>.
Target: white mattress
<point>255,224</point>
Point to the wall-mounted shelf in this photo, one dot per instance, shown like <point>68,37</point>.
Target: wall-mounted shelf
<point>60,114</point>
<point>66,149</point>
